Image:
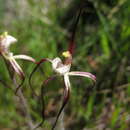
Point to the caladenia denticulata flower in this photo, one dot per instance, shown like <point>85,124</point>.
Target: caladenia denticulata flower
<point>10,59</point>
<point>62,69</point>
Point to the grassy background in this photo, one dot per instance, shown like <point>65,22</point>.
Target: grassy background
<point>102,47</point>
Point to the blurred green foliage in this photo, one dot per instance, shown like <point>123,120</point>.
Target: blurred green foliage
<point>102,47</point>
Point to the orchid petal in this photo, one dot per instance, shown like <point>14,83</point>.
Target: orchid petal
<point>56,63</point>
<point>34,70</point>
<point>72,40</point>
<point>65,98</point>
<point>84,74</point>
<point>42,98</point>
<point>67,81</point>
<point>24,57</point>
<point>11,71</point>
<point>18,70</point>
<point>71,46</point>
<point>16,67</point>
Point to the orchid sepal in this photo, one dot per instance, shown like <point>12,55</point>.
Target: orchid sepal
<point>34,70</point>
<point>17,68</point>
<point>45,82</point>
<point>24,57</point>
<point>65,98</point>
<point>84,74</point>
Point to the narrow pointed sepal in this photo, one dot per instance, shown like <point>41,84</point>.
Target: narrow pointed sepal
<point>42,99</point>
<point>65,98</point>
<point>24,57</point>
<point>16,68</point>
<point>34,70</point>
<point>84,74</point>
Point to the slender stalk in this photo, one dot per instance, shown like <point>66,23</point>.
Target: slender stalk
<point>23,106</point>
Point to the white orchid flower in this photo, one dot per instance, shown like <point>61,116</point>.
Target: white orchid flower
<point>5,42</point>
<point>62,69</point>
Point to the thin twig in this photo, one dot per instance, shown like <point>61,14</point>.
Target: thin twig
<point>24,106</point>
